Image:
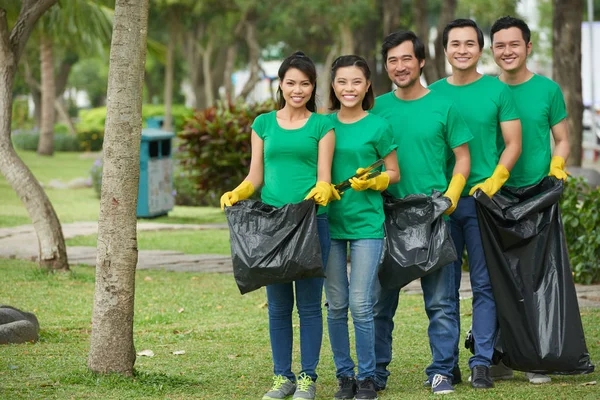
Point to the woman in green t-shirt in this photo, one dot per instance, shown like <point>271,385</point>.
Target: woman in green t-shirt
<point>356,221</point>
<point>292,150</point>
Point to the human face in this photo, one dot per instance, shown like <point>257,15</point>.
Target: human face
<point>510,50</point>
<point>350,86</point>
<point>463,50</point>
<point>403,67</point>
<point>296,88</point>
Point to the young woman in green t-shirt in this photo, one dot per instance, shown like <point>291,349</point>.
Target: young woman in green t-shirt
<point>292,150</point>
<point>356,221</point>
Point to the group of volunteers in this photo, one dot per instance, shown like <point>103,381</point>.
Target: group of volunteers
<point>463,133</point>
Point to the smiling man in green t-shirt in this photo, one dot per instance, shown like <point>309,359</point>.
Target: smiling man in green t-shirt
<point>542,110</point>
<point>489,110</point>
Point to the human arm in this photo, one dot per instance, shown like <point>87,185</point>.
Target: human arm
<point>460,174</point>
<point>323,191</point>
<point>560,133</point>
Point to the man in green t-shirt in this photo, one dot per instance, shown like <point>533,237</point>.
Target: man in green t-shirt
<point>542,110</point>
<point>426,127</point>
<point>489,110</point>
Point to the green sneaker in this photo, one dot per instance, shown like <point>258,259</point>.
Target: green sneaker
<point>282,388</point>
<point>305,388</point>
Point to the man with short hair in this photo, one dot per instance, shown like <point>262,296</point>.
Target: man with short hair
<point>541,106</point>
<point>427,127</point>
<point>488,108</point>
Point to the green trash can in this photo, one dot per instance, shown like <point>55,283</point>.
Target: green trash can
<point>156,196</point>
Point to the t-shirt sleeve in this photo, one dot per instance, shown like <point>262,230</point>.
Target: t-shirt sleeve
<point>558,110</point>
<point>457,131</point>
<point>385,142</point>
<point>507,107</point>
<point>259,125</point>
<point>325,125</point>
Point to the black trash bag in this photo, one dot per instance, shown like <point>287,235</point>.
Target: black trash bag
<point>273,245</point>
<point>526,254</point>
<point>417,238</point>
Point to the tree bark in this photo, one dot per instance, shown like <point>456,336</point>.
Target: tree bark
<point>447,14</point>
<point>46,143</point>
<point>169,73</point>
<point>254,51</point>
<point>566,67</point>
<point>112,348</point>
<point>346,38</point>
<point>52,249</point>
<point>422,30</point>
<point>194,63</point>
<point>206,70</point>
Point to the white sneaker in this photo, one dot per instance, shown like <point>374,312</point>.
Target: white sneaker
<point>537,378</point>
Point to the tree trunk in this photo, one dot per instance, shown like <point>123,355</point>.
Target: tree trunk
<point>566,70</point>
<point>52,250</point>
<point>254,51</point>
<point>324,79</point>
<point>206,63</point>
<point>422,30</point>
<point>194,63</point>
<point>228,72</point>
<point>169,73</point>
<point>46,143</point>
<point>112,348</point>
<point>447,14</point>
<point>346,39</point>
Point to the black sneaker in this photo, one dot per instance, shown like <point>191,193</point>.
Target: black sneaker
<point>480,377</point>
<point>366,390</point>
<point>456,377</point>
<point>347,388</point>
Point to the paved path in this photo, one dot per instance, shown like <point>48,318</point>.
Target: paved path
<point>21,242</point>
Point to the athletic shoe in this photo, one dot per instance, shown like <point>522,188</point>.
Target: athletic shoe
<point>366,390</point>
<point>480,377</point>
<point>282,388</point>
<point>441,385</point>
<point>347,388</point>
<point>456,377</point>
<point>500,372</point>
<point>537,378</point>
<point>305,387</point>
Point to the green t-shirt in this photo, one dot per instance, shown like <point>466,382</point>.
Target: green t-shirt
<point>484,104</point>
<point>358,215</point>
<point>541,105</point>
<point>425,130</point>
<point>290,158</point>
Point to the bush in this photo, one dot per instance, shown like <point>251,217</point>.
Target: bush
<point>28,139</point>
<point>581,219</point>
<point>215,147</point>
<point>96,175</point>
<point>90,129</point>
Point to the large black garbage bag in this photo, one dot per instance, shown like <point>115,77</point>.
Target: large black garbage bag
<point>273,245</point>
<point>526,254</point>
<point>417,238</point>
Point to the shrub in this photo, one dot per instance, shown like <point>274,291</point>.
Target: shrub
<point>215,147</point>
<point>96,175</point>
<point>581,219</point>
<point>90,129</point>
<point>28,139</point>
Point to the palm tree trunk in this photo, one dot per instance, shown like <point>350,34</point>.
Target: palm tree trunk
<point>112,348</point>
<point>46,143</point>
<point>52,249</point>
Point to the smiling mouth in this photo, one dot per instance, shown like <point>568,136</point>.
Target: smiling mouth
<point>349,96</point>
<point>461,59</point>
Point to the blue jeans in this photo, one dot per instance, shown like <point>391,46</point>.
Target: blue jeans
<point>356,295</point>
<point>309,293</point>
<point>439,294</point>
<point>464,228</point>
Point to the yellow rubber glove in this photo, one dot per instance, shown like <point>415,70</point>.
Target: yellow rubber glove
<point>321,193</point>
<point>335,195</point>
<point>557,168</point>
<point>455,188</point>
<point>492,184</point>
<point>242,192</point>
<point>380,182</point>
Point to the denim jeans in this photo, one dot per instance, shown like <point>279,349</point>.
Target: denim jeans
<point>439,294</point>
<point>355,294</point>
<point>464,228</point>
<point>309,293</point>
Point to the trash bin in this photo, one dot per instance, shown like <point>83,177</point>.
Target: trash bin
<point>155,122</point>
<point>156,174</point>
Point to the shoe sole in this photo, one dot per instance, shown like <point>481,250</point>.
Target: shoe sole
<point>444,392</point>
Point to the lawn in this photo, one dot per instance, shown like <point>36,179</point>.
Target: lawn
<point>225,339</point>
<point>73,205</point>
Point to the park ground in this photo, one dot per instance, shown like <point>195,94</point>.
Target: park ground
<point>207,340</point>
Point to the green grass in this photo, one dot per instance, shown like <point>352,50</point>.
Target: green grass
<point>225,337</point>
<point>74,205</point>
<point>189,242</point>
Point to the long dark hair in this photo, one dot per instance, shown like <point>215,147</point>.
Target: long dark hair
<point>351,61</point>
<point>301,62</point>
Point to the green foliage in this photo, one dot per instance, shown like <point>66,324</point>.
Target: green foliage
<point>28,139</point>
<point>20,114</point>
<point>581,219</point>
<point>90,129</point>
<point>215,147</point>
